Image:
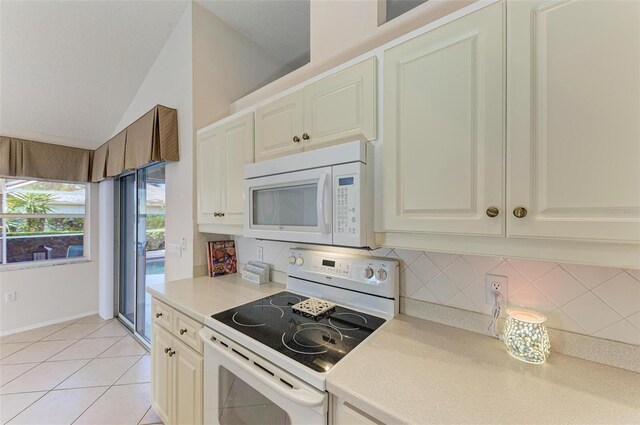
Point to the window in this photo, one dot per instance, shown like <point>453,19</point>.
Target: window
<point>41,220</point>
<point>395,8</point>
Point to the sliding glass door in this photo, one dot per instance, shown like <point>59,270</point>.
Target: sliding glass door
<point>141,204</point>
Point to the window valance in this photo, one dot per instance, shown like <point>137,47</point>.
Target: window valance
<point>26,158</point>
<point>151,138</point>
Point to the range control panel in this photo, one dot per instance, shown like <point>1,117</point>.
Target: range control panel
<point>359,272</point>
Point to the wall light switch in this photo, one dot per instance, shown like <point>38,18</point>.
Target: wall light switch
<point>174,250</point>
<point>10,297</point>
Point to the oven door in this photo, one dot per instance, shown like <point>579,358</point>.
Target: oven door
<point>294,207</point>
<point>241,387</point>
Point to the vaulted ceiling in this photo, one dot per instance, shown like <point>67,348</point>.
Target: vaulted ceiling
<point>69,69</point>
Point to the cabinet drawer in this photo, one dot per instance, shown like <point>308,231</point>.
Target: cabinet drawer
<point>162,314</point>
<point>186,329</point>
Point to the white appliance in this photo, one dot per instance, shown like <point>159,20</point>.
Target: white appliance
<point>322,197</point>
<point>284,356</point>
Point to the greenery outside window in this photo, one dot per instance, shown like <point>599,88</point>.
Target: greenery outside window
<point>42,221</point>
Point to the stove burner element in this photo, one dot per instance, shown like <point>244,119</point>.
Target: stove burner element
<point>313,336</point>
<point>347,321</point>
<point>314,308</point>
<point>252,325</point>
<point>284,300</point>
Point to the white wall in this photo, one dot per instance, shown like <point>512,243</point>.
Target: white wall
<point>49,294</point>
<point>226,66</point>
<point>169,82</point>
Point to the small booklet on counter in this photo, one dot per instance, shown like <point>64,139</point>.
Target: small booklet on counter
<point>221,258</point>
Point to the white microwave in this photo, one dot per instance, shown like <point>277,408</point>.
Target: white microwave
<point>320,197</point>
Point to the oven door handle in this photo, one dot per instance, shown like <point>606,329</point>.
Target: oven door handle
<point>322,183</point>
<point>300,396</point>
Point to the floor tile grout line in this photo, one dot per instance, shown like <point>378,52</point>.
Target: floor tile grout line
<point>31,404</point>
<point>85,365</point>
<point>89,407</point>
<point>145,414</point>
<point>36,364</point>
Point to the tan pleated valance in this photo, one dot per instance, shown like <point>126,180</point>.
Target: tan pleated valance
<point>26,158</point>
<point>151,138</point>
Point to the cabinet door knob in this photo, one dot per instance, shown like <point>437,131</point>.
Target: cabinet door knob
<point>171,353</point>
<point>296,139</point>
<point>220,214</point>
<point>520,212</point>
<point>305,136</point>
<point>183,331</point>
<point>158,315</point>
<point>166,350</point>
<point>216,214</point>
<point>493,211</point>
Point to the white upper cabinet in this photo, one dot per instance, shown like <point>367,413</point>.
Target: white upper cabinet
<point>443,145</point>
<point>279,127</point>
<point>574,119</point>
<point>341,107</point>
<point>336,109</point>
<point>222,153</point>
<point>209,191</point>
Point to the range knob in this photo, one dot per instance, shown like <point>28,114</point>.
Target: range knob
<point>300,261</point>
<point>367,273</point>
<point>292,259</point>
<point>381,274</point>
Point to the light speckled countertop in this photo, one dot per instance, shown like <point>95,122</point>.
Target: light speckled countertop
<point>201,297</point>
<point>421,372</point>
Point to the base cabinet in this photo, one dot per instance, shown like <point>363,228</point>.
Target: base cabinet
<point>160,372</point>
<point>176,379</point>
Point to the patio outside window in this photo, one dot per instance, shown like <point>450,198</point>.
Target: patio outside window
<point>41,220</point>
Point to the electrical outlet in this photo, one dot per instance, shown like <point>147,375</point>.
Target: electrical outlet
<point>259,253</point>
<point>496,282</point>
<point>10,297</point>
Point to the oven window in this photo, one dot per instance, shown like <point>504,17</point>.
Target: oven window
<point>286,206</point>
<point>244,405</point>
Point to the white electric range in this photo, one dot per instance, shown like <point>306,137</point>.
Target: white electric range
<point>282,350</point>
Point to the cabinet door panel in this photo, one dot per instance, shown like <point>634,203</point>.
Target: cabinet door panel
<point>443,147</point>
<point>161,373</point>
<point>342,106</point>
<point>276,125</point>
<point>238,151</point>
<point>573,129</point>
<point>210,172</point>
<point>187,388</point>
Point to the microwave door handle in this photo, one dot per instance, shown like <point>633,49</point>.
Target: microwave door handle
<point>322,183</point>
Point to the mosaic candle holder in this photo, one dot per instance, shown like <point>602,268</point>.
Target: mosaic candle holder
<point>526,337</point>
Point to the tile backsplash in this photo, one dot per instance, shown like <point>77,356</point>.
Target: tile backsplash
<point>598,301</point>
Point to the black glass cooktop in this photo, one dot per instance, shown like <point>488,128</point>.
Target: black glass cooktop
<point>317,344</point>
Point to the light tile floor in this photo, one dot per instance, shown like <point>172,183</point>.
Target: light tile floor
<point>87,371</point>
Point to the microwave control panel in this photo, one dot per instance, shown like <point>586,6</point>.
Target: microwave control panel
<point>347,203</point>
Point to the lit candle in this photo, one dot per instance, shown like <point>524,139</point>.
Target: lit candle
<point>526,337</point>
